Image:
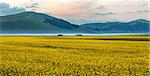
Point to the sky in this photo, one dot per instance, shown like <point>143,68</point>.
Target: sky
<point>82,11</point>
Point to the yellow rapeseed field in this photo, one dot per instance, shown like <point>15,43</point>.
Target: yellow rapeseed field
<point>75,56</point>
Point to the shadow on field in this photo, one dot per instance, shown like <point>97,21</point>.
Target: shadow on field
<point>59,47</point>
<point>115,39</point>
<point>44,46</point>
<point>125,39</point>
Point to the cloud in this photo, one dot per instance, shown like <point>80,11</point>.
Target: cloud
<point>143,11</point>
<point>138,11</point>
<point>5,9</point>
<point>73,8</point>
<point>32,6</point>
<point>75,11</point>
<point>107,13</point>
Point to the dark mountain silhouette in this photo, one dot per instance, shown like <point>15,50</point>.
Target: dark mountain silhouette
<point>31,22</point>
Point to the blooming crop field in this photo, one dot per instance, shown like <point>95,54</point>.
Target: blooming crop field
<point>75,56</point>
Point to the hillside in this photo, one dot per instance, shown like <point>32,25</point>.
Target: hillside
<point>137,26</point>
<point>31,22</point>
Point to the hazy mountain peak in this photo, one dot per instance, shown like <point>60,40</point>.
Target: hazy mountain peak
<point>141,20</point>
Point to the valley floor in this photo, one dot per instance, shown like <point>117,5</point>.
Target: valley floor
<point>75,55</point>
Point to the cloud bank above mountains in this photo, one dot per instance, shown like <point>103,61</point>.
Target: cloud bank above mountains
<point>5,9</point>
<point>82,11</point>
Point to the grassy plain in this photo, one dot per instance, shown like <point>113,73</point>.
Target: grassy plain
<point>75,56</point>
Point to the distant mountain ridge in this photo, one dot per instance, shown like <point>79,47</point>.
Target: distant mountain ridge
<point>31,22</point>
<point>136,26</point>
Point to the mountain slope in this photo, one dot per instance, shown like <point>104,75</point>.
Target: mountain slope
<point>31,22</point>
<point>137,26</point>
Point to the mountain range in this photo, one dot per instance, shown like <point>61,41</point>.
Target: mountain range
<point>32,22</point>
